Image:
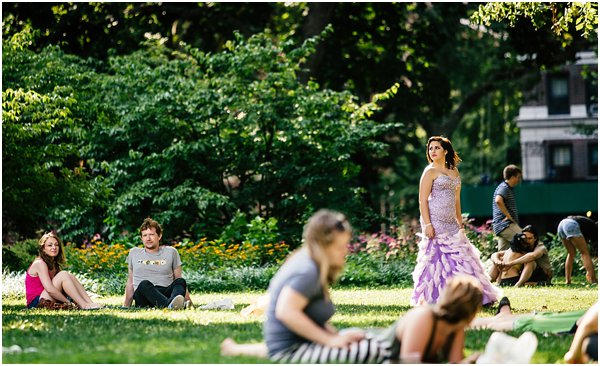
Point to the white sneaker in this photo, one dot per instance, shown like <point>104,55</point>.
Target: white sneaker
<point>177,303</point>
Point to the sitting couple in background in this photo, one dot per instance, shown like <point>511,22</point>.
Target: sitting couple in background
<point>525,262</point>
<point>155,276</point>
<point>297,327</point>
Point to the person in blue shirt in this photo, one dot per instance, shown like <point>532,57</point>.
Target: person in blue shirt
<point>505,217</point>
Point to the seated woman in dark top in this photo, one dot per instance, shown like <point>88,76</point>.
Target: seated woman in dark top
<point>297,327</point>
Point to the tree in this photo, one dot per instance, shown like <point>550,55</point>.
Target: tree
<point>191,138</point>
<point>561,18</point>
<point>454,77</point>
<point>40,156</point>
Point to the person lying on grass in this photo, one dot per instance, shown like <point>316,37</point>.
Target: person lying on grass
<point>297,327</point>
<point>505,320</point>
<point>47,284</point>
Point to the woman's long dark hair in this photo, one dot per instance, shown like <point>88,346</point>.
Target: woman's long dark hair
<point>452,158</point>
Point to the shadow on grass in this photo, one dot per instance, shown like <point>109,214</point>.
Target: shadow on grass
<point>110,336</point>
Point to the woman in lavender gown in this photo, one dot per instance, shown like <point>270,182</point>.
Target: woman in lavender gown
<point>444,249</point>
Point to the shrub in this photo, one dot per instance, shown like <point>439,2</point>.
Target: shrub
<point>18,256</point>
<point>236,278</point>
<point>188,137</point>
<point>482,237</point>
<point>98,257</point>
<point>381,259</point>
<point>363,269</point>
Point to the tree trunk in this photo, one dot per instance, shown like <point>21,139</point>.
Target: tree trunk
<point>318,17</point>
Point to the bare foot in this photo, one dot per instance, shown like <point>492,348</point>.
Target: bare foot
<point>590,278</point>
<point>505,310</point>
<point>228,347</point>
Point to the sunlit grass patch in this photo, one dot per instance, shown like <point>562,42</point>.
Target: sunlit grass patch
<point>115,335</point>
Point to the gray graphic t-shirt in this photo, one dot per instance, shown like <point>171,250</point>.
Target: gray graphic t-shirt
<point>155,267</point>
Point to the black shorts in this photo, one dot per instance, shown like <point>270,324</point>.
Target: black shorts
<point>539,275</point>
<point>511,281</point>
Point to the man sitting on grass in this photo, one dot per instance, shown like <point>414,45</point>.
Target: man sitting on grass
<point>155,273</point>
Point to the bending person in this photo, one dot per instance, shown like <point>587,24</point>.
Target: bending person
<point>45,281</point>
<point>297,327</point>
<point>575,233</point>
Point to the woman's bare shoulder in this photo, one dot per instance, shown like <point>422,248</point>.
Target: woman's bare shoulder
<point>430,172</point>
<point>421,314</point>
<point>37,265</point>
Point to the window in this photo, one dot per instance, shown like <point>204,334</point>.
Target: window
<point>593,159</point>
<point>558,94</point>
<point>561,162</point>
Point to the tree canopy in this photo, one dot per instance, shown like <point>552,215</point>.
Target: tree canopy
<point>193,111</point>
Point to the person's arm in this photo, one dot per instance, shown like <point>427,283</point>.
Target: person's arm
<point>500,202</point>
<point>497,257</point>
<point>41,269</point>
<point>497,267</point>
<point>178,273</point>
<point>587,326</point>
<point>456,354</point>
<point>289,310</point>
<point>330,328</point>
<point>457,202</point>
<point>538,252</point>
<point>129,289</point>
<point>425,186</point>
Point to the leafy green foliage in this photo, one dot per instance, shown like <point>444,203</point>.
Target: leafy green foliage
<point>191,138</point>
<point>42,133</point>
<point>19,256</point>
<point>560,17</point>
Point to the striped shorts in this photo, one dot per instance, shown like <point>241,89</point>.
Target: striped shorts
<point>368,350</point>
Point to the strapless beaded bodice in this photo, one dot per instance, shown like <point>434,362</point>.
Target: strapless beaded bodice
<point>442,205</point>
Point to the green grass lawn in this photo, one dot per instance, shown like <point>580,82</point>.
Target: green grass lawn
<point>193,336</point>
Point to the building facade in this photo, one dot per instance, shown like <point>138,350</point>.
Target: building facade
<point>558,124</point>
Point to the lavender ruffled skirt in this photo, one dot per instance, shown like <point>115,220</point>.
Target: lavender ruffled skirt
<point>440,259</point>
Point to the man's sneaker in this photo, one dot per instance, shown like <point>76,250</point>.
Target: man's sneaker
<point>177,303</point>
